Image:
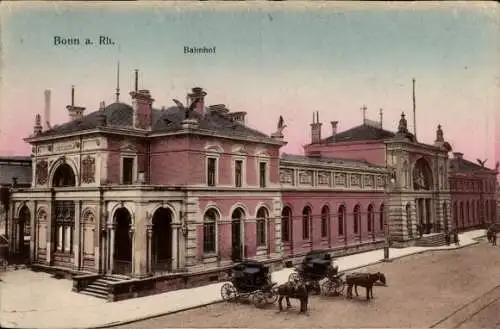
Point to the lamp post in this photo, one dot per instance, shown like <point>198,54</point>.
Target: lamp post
<point>392,180</point>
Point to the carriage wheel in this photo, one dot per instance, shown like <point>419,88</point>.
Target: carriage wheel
<point>338,285</point>
<point>327,287</point>
<point>294,277</point>
<point>258,298</point>
<point>272,296</point>
<point>228,292</point>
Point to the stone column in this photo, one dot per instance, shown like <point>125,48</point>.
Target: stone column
<point>149,261</point>
<point>175,244</point>
<point>139,243</point>
<point>111,247</point>
<point>77,232</point>
<point>49,231</point>
<point>33,235</point>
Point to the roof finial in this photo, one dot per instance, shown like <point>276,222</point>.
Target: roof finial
<point>363,108</point>
<point>118,83</point>
<point>72,95</point>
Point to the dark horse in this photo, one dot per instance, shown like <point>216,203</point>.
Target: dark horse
<point>364,280</point>
<point>492,236</point>
<point>293,290</point>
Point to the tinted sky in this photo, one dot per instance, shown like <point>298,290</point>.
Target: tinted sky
<point>270,59</point>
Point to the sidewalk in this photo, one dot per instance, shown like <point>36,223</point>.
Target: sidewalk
<point>35,300</point>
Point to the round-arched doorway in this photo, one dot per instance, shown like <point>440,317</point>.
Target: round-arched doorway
<point>161,241</point>
<point>122,256</point>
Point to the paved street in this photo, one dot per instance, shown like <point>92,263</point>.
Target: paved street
<point>452,289</point>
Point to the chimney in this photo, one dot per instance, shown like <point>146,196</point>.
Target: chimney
<point>37,128</point>
<point>381,114</point>
<point>316,129</point>
<point>334,128</point>
<point>46,111</point>
<point>102,106</point>
<point>219,108</point>
<point>458,155</point>
<point>75,112</point>
<point>143,108</point>
<point>198,94</point>
<point>238,116</point>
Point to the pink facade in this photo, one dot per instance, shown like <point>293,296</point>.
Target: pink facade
<point>196,190</point>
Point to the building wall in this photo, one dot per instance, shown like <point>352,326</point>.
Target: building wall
<point>373,152</point>
<point>476,194</point>
<point>332,200</point>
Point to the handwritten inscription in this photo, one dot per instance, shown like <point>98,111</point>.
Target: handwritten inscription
<point>77,41</point>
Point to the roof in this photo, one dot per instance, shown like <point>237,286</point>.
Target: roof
<point>325,161</point>
<point>15,158</point>
<point>362,132</point>
<point>165,120</point>
<point>460,164</point>
<point>10,170</point>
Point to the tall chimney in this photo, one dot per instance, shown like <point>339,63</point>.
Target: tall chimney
<point>46,111</point>
<point>334,128</point>
<point>198,94</point>
<point>316,129</point>
<point>414,112</point>
<point>75,112</point>
<point>136,80</point>
<point>381,114</point>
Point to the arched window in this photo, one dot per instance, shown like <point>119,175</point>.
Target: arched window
<point>64,176</point>
<point>262,216</point>
<point>286,218</point>
<point>356,219</point>
<point>306,222</point>
<point>381,217</point>
<point>209,231</point>
<point>341,218</point>
<point>370,218</point>
<point>325,219</point>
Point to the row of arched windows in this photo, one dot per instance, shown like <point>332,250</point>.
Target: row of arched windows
<point>467,213</point>
<point>341,217</point>
<point>210,227</point>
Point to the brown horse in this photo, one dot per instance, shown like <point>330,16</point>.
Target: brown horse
<point>296,290</point>
<point>364,280</point>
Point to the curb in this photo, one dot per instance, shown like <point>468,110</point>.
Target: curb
<point>148,317</point>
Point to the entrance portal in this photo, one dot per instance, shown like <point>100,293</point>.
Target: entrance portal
<point>161,244</point>
<point>23,226</point>
<point>122,256</point>
<point>236,234</point>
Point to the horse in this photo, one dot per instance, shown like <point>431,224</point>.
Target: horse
<point>296,290</point>
<point>364,280</point>
<point>492,236</point>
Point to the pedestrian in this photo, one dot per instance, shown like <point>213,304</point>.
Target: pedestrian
<point>494,238</point>
<point>455,237</point>
<point>447,237</point>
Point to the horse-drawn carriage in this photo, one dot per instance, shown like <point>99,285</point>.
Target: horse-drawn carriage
<point>251,280</point>
<point>316,266</point>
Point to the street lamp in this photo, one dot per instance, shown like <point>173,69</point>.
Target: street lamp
<point>392,180</point>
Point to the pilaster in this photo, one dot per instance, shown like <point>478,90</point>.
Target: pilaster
<point>193,220</point>
<point>139,242</point>
<point>77,232</point>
